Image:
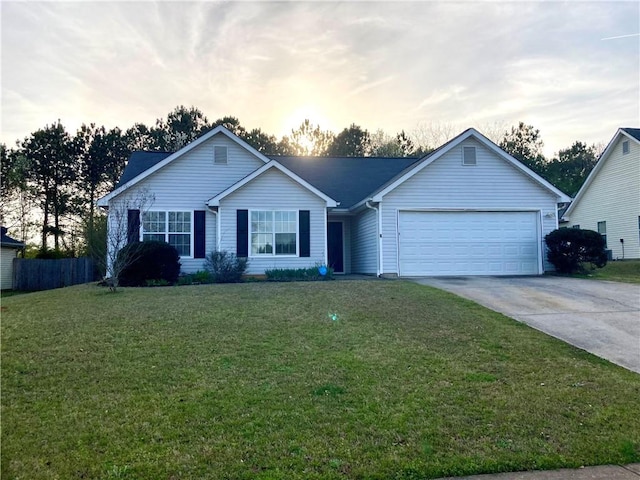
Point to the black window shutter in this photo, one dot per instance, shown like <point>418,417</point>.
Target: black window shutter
<point>133,226</point>
<point>305,233</point>
<point>242,233</point>
<point>199,231</point>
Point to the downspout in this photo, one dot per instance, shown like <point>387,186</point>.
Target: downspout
<point>369,205</point>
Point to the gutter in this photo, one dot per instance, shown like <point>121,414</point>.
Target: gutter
<point>369,205</point>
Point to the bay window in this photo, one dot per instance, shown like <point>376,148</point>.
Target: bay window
<point>171,227</point>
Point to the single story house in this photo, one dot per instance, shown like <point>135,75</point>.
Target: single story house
<point>609,200</point>
<point>8,251</point>
<point>467,208</point>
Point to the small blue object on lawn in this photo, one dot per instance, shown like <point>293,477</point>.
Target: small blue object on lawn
<point>333,316</point>
<point>322,270</point>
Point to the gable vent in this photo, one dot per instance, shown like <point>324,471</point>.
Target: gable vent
<point>469,155</point>
<point>220,154</point>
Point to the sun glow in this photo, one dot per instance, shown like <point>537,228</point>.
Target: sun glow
<point>313,114</point>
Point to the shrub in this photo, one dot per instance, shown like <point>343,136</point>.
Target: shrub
<point>298,274</point>
<point>148,261</point>
<point>569,248</point>
<point>51,254</point>
<point>225,267</point>
<point>199,277</point>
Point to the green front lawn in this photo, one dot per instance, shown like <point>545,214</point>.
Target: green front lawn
<point>619,271</point>
<point>258,381</point>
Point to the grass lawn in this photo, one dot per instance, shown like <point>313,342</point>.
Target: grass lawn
<point>257,381</point>
<point>619,271</point>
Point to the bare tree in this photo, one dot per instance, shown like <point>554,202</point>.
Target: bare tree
<point>120,234</point>
<point>427,136</point>
<point>494,131</point>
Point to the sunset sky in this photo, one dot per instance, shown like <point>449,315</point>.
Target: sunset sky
<point>571,69</point>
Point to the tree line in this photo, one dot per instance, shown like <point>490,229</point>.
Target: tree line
<point>50,180</point>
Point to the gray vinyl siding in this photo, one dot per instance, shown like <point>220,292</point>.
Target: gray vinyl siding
<point>492,183</point>
<point>613,196</point>
<point>273,190</point>
<point>364,243</point>
<point>6,267</point>
<point>188,183</point>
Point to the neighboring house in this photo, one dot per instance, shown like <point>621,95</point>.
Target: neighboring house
<point>468,208</point>
<point>609,200</point>
<point>8,251</point>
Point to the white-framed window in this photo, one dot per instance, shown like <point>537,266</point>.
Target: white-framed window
<point>625,147</point>
<point>602,230</point>
<point>175,228</point>
<point>469,156</point>
<point>220,154</point>
<point>576,226</point>
<point>273,232</point>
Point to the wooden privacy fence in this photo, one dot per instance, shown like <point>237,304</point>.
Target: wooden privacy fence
<point>35,274</point>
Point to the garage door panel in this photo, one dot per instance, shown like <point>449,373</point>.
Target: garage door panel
<point>468,243</point>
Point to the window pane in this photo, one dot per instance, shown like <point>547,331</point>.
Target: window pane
<point>182,243</point>
<point>285,243</point>
<point>153,237</point>
<point>602,230</point>
<point>180,222</point>
<point>261,243</point>
<point>269,228</point>
<point>153,222</point>
<point>285,222</point>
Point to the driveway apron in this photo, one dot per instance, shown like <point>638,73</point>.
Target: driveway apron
<point>600,317</point>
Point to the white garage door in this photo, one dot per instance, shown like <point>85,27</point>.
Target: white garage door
<point>468,243</point>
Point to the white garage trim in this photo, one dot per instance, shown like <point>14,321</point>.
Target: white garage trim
<point>522,254</point>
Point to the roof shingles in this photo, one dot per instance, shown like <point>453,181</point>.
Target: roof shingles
<point>348,180</point>
<point>634,132</point>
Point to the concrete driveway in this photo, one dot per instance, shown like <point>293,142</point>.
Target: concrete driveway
<point>600,317</point>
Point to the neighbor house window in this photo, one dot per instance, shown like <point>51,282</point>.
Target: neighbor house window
<point>274,232</point>
<point>220,154</point>
<point>602,230</point>
<point>171,227</point>
<point>625,147</point>
<point>576,226</point>
<point>469,155</point>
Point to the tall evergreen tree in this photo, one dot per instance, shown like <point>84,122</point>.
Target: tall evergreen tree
<point>571,167</point>
<point>351,142</point>
<point>524,144</point>
<point>50,154</point>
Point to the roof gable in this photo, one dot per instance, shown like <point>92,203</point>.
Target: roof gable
<point>215,201</point>
<point>138,163</point>
<point>634,132</point>
<point>439,152</point>
<point>631,133</point>
<point>155,163</point>
<point>7,241</point>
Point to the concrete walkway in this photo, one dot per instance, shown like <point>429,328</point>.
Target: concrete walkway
<point>605,472</point>
<point>600,317</point>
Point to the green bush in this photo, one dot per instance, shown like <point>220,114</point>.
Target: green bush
<point>51,254</point>
<point>309,274</point>
<point>148,261</point>
<point>199,277</point>
<point>569,248</point>
<point>225,267</point>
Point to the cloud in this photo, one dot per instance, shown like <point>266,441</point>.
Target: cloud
<point>378,64</point>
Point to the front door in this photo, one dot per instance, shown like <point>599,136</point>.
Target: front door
<point>334,246</point>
